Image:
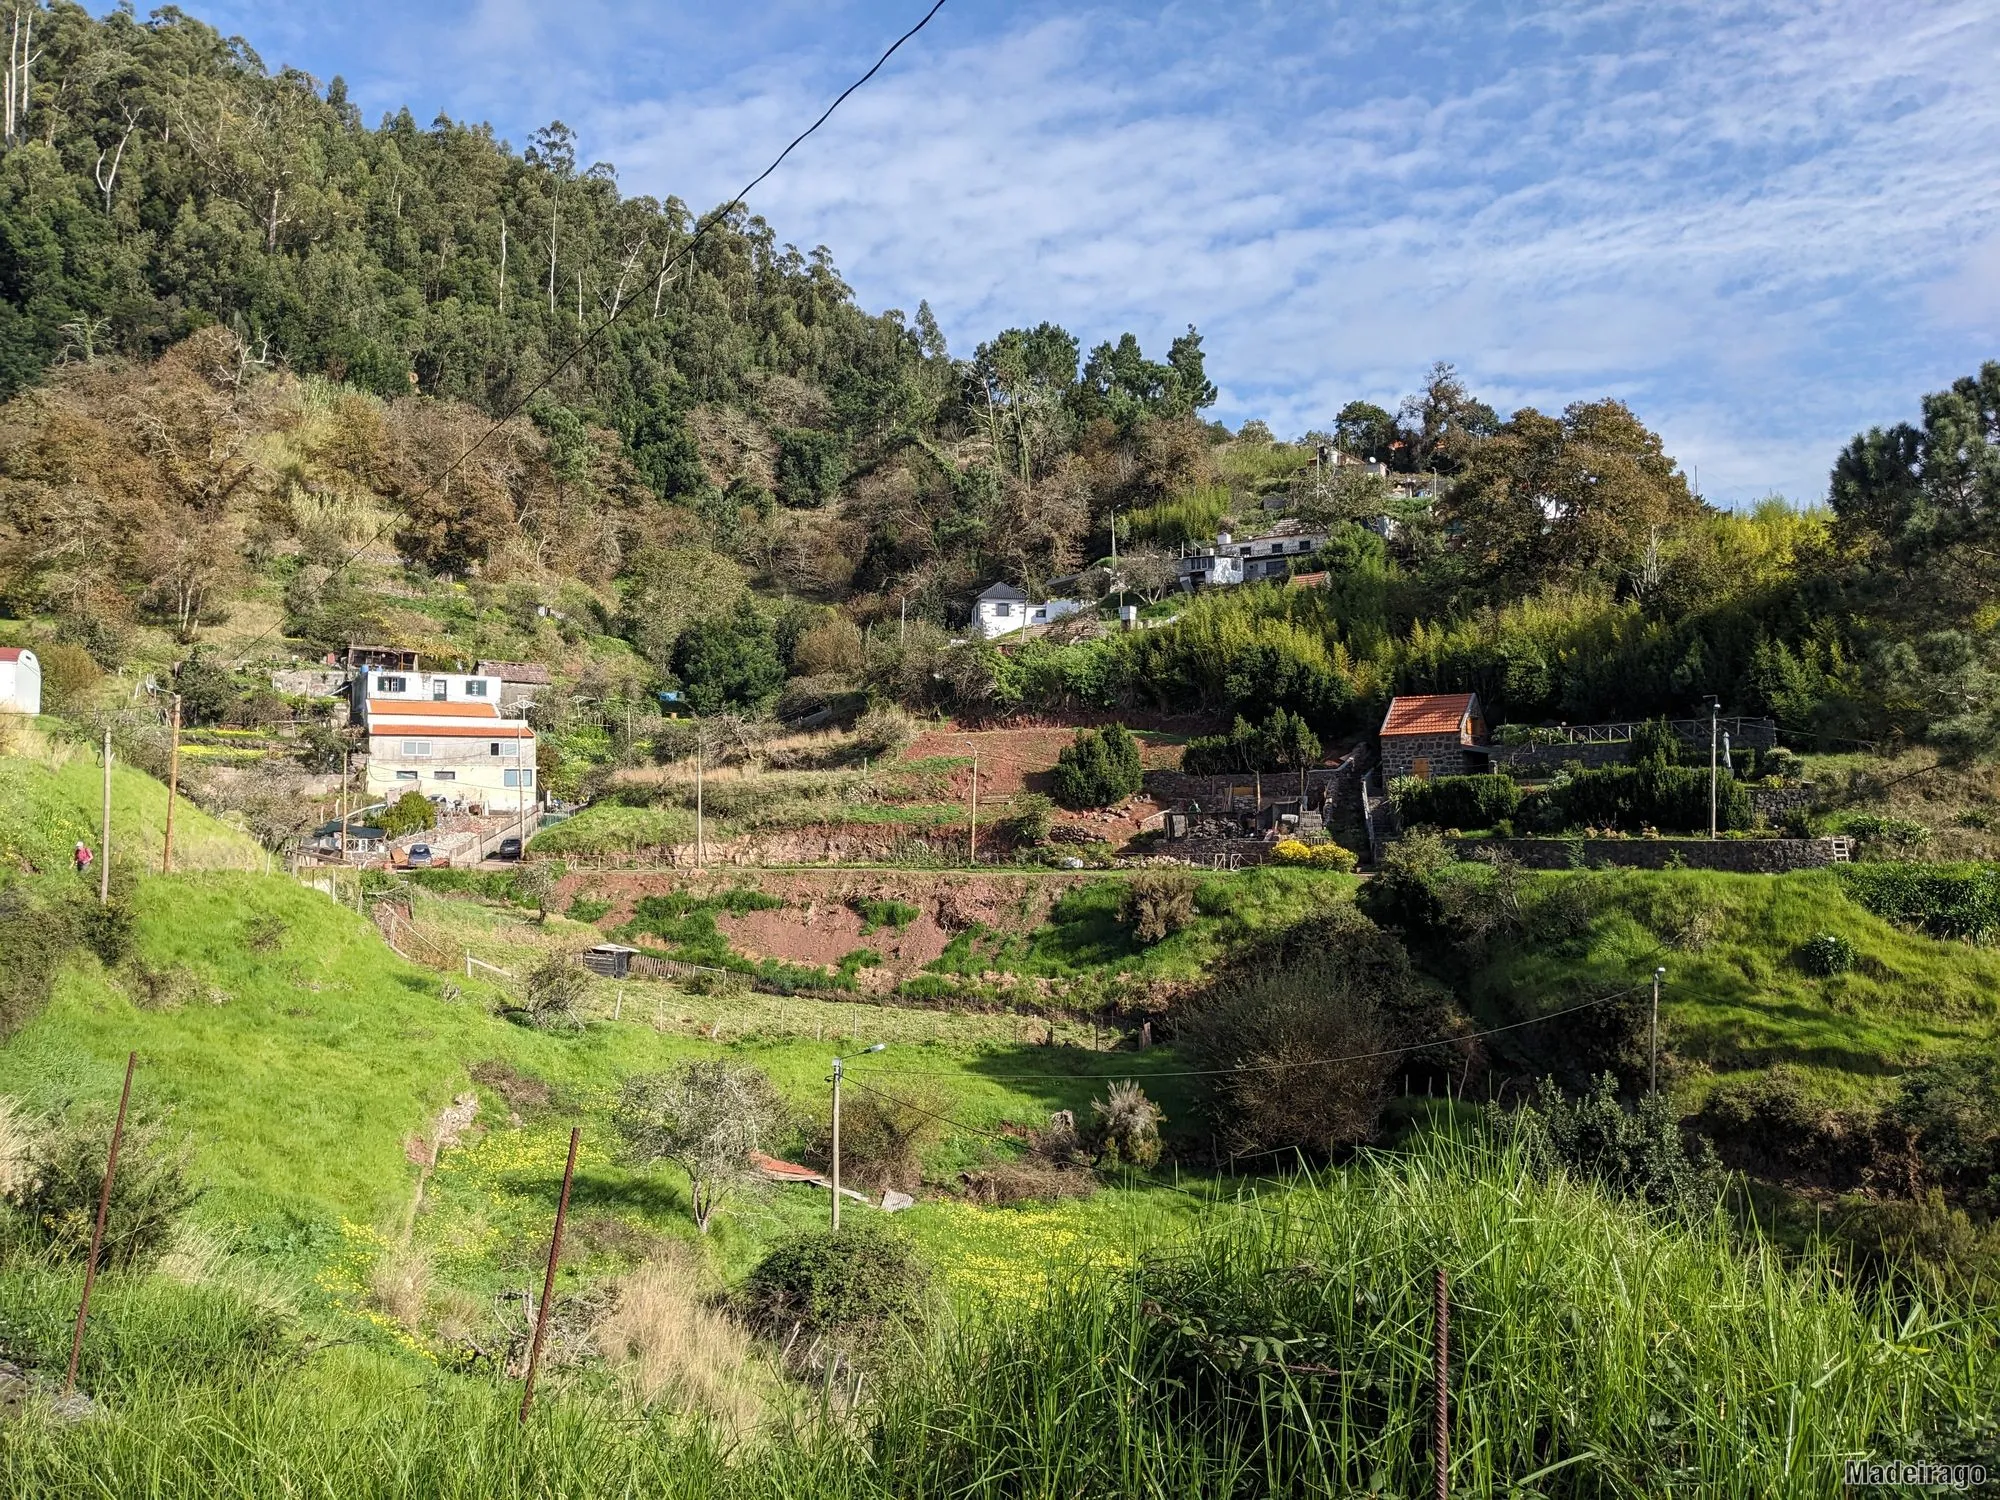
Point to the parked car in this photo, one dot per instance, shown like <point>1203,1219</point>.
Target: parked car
<point>420,855</point>
<point>509,849</point>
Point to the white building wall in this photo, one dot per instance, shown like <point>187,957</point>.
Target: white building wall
<point>21,684</point>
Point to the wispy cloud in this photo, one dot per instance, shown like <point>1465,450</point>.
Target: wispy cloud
<point>1765,224</point>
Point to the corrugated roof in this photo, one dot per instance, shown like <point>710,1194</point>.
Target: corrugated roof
<point>1427,713</point>
<point>1307,581</point>
<point>13,653</point>
<point>1002,591</point>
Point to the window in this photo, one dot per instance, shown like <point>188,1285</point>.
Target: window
<point>406,775</point>
<point>438,690</point>
<point>1003,610</point>
<point>393,684</point>
<point>475,687</point>
<point>518,778</point>
<point>444,775</point>
<point>510,748</point>
<point>416,749</point>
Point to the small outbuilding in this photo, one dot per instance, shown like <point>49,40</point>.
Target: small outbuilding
<point>609,960</point>
<point>20,681</point>
<point>1433,734</point>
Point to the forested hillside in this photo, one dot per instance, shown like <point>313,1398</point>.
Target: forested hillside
<point>247,337</point>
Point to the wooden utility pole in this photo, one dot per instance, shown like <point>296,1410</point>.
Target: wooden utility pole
<point>972,831</point>
<point>835,1177</point>
<point>1658,975</point>
<point>549,1278</point>
<point>700,856</point>
<point>173,790</point>
<point>340,805</point>
<point>104,839</point>
<point>97,1234</point>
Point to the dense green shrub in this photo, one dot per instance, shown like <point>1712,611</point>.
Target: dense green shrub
<point>849,1288</point>
<point>1826,954</point>
<point>1125,1126</point>
<point>1673,799</point>
<point>1952,1107</point>
<point>1030,816</point>
<point>52,1197</point>
<point>1655,741</point>
<point>1156,904</point>
<point>1638,1153</point>
<point>1099,768</point>
<point>1283,742</point>
<point>40,935</point>
<point>1456,801</point>
<point>407,814</point>
<point>882,911</point>
<point>1946,901</point>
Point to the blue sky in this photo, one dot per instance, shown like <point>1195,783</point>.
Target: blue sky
<point>1765,225</point>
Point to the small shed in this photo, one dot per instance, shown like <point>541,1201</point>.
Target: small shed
<point>1433,734</point>
<point>610,960</point>
<point>20,681</point>
<point>1000,610</point>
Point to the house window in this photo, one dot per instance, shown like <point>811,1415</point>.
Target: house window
<point>522,777</point>
<point>475,687</point>
<point>438,690</point>
<point>504,747</point>
<point>444,775</point>
<point>406,775</point>
<point>393,684</point>
<point>1003,610</point>
<point>416,749</point>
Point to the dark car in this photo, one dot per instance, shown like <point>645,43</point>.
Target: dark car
<point>420,854</point>
<point>509,849</point>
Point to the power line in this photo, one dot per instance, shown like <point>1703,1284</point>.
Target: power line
<point>714,217</point>
<point>1315,1062</point>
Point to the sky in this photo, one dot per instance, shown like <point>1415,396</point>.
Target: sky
<point>1765,226</point>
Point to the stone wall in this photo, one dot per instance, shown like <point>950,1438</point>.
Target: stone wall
<point>1774,803</point>
<point>1448,755</point>
<point>1744,856</point>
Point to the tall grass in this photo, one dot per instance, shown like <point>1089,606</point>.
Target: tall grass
<point>1284,1350</point>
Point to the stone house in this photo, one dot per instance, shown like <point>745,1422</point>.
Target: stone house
<point>1433,734</point>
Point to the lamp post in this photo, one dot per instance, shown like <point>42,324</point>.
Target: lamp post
<point>1658,975</point>
<point>1714,729</point>
<point>838,1063</point>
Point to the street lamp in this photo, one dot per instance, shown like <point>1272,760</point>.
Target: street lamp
<point>837,1073</point>
<point>1714,728</point>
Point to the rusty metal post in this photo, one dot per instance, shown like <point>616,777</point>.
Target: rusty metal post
<point>1441,1379</point>
<point>97,1234</point>
<point>549,1280</point>
<point>173,791</point>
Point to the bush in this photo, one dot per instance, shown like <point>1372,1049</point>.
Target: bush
<point>407,814</point>
<point>1100,768</point>
<point>848,1288</point>
<point>1638,1153</point>
<point>884,731</point>
<point>40,936</point>
<point>883,1139</point>
<point>1333,987</point>
<point>69,676</point>
<point>54,1184</point>
<point>1157,904</point>
<point>1126,1126</point>
<point>1456,801</point>
<point>881,911</point>
<point>1655,741</point>
<point>1283,742</point>
<point>535,885</point>
<point>553,994</point>
<point>705,1117</point>
<point>1633,798</point>
<point>1326,856</point>
<point>1030,816</point>
<point>1952,1108</point>
<point>1946,901</point>
<point>1826,954</point>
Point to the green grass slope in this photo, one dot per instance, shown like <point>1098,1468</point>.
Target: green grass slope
<point>1737,999</point>
<point>52,798</point>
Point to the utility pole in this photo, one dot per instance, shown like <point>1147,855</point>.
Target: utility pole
<point>1714,728</point>
<point>173,789</point>
<point>1114,538</point>
<point>340,805</point>
<point>972,830</point>
<point>903,624</point>
<point>839,1064</point>
<point>700,857</point>
<point>104,840</point>
<point>1658,975</point>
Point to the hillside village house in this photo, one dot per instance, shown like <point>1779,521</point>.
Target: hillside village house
<point>1004,609</point>
<point>442,734</point>
<point>1266,556</point>
<point>1433,734</point>
<point>20,681</point>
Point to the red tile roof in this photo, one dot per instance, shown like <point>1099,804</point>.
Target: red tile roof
<point>10,653</point>
<point>420,708</point>
<point>1308,581</point>
<point>1427,713</point>
<point>506,729</point>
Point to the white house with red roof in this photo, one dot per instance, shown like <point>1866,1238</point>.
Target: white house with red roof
<point>20,681</point>
<point>442,734</point>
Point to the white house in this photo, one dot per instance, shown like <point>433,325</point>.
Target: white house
<point>1269,555</point>
<point>1004,609</point>
<point>20,681</point>
<point>442,734</point>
